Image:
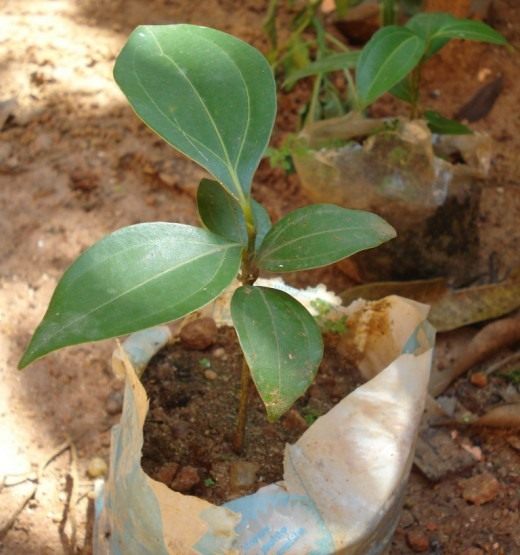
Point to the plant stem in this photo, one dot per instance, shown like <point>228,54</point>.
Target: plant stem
<point>352,90</point>
<point>388,12</point>
<point>248,275</point>
<point>415,79</point>
<point>240,430</point>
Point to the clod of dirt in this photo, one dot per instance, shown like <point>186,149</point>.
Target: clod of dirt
<point>199,334</point>
<point>166,473</point>
<point>479,379</point>
<point>514,442</point>
<point>210,375</point>
<point>418,541</point>
<point>114,402</point>
<point>186,479</point>
<point>293,420</point>
<point>473,551</point>
<point>437,455</point>
<point>480,489</point>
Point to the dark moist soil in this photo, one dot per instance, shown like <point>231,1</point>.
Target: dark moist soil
<point>193,405</point>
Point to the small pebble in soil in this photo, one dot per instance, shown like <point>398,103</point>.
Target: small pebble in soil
<point>199,334</point>
<point>480,489</point>
<point>242,475</point>
<point>473,551</point>
<point>186,479</point>
<point>407,519</point>
<point>219,352</point>
<point>210,375</point>
<point>114,402</point>
<point>166,473</point>
<point>514,442</point>
<point>417,541</point>
<point>479,379</point>
<point>97,468</point>
<point>293,420</point>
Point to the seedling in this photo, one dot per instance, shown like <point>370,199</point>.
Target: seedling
<point>392,60</point>
<point>212,97</point>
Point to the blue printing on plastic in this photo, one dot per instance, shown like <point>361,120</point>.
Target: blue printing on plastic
<point>260,532</point>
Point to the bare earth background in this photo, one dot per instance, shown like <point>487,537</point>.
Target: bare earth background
<point>76,164</point>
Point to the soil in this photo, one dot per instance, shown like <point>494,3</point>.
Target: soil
<point>76,164</point>
<point>194,398</point>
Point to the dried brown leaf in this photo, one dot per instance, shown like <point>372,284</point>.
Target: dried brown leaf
<point>450,309</point>
<point>425,290</point>
<point>504,416</point>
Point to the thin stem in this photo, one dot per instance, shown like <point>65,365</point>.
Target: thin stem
<point>240,430</point>
<point>311,114</point>
<point>415,80</point>
<point>248,275</point>
<point>388,12</point>
<point>352,89</point>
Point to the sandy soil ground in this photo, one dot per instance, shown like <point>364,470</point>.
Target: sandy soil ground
<point>75,164</point>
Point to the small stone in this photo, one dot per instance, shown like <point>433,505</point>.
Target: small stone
<point>473,551</point>
<point>219,352</point>
<point>168,179</point>
<point>480,489</point>
<point>97,467</point>
<point>210,375</point>
<point>514,442</point>
<point>186,479</point>
<point>242,474</point>
<point>167,473</point>
<point>199,334</point>
<point>417,541</point>
<point>407,519</point>
<point>293,420</point>
<point>479,379</point>
<point>114,402</point>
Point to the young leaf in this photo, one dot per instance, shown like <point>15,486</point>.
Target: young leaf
<point>262,222</point>
<point>469,29</point>
<point>426,26</point>
<point>444,126</point>
<point>403,90</point>
<point>438,28</point>
<point>137,277</point>
<point>208,94</point>
<point>220,212</point>
<point>385,60</point>
<point>326,64</point>
<point>282,344</point>
<point>318,235</point>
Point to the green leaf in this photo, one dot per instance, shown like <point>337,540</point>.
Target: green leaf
<point>326,64</point>
<point>318,235</point>
<point>137,277</point>
<point>404,91</point>
<point>220,212</point>
<point>386,59</point>
<point>208,94</point>
<point>445,126</point>
<point>282,344</point>
<point>262,222</point>
<point>469,29</point>
<point>439,28</point>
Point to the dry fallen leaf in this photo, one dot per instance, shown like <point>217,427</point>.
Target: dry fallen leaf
<point>450,309</point>
<point>503,416</point>
<point>488,341</point>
